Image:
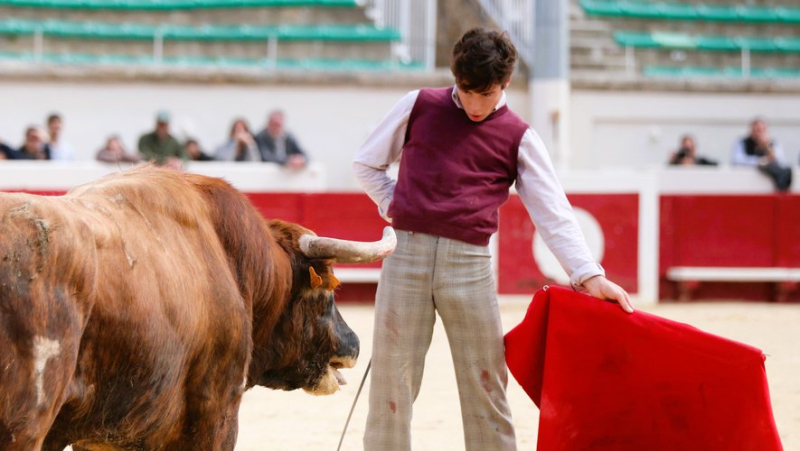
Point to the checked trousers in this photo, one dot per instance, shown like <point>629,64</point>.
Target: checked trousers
<point>427,275</point>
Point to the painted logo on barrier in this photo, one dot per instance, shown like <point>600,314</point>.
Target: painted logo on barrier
<point>547,262</point>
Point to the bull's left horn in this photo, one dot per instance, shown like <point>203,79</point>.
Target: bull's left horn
<point>344,251</point>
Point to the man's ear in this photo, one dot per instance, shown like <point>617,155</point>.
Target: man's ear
<point>508,82</point>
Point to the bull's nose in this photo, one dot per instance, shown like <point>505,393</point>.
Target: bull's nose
<point>349,345</point>
<point>349,348</point>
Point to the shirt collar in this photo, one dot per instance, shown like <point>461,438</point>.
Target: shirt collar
<point>454,94</point>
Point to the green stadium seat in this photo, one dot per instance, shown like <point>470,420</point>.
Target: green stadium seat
<point>698,71</point>
<point>173,4</point>
<point>788,15</point>
<point>640,10</point>
<point>718,12</point>
<point>757,44</point>
<point>635,39</point>
<point>679,11</point>
<point>315,64</point>
<point>706,42</point>
<point>729,72</point>
<point>757,13</point>
<point>788,45</point>
<point>674,40</point>
<point>688,11</point>
<point>601,8</point>
<point>134,31</point>
<point>718,43</point>
<point>662,71</point>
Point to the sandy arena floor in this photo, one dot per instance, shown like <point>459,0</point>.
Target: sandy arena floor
<point>272,420</point>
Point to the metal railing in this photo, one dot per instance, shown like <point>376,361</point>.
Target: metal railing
<point>517,17</point>
<point>416,22</point>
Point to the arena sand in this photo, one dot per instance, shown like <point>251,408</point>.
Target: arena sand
<point>291,421</point>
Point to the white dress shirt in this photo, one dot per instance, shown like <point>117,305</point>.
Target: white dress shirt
<point>536,184</point>
<point>740,157</point>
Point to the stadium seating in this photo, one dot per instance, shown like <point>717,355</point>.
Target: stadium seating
<point>688,11</point>
<point>135,31</point>
<point>727,72</point>
<point>170,4</point>
<point>686,38</point>
<point>309,34</point>
<point>664,40</point>
<point>315,64</point>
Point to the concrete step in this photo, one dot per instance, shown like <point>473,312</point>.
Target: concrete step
<point>590,26</point>
<point>605,42</point>
<point>579,62</point>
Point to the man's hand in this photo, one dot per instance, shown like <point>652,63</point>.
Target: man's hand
<point>602,288</point>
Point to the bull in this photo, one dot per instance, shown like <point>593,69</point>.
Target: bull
<point>137,309</point>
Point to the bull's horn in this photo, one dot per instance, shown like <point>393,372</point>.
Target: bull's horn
<point>345,251</point>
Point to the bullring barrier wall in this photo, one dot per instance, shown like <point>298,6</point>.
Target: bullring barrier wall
<point>637,224</point>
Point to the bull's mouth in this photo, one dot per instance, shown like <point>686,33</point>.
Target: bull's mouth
<point>332,379</point>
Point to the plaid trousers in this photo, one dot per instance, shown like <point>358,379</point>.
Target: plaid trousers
<point>428,274</point>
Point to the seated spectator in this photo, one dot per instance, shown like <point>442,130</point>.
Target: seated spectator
<point>159,146</point>
<point>686,155</point>
<point>5,151</point>
<point>758,150</point>
<point>192,150</point>
<point>279,146</point>
<point>114,152</point>
<point>34,147</point>
<point>59,149</point>
<point>241,146</point>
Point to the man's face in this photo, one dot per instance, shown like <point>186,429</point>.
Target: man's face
<point>759,131</point>
<point>688,144</point>
<point>32,139</point>
<point>479,105</point>
<point>54,126</point>
<point>275,124</point>
<point>162,129</point>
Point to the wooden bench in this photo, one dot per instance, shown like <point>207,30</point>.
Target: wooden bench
<point>690,277</point>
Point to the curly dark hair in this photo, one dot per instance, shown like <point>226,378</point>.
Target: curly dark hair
<point>482,58</point>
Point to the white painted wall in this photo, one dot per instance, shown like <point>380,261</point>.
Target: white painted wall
<point>330,122</point>
<point>640,129</point>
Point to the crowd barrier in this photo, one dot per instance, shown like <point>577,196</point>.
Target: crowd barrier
<point>717,233</point>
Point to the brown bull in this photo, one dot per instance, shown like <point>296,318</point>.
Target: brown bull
<point>136,310</point>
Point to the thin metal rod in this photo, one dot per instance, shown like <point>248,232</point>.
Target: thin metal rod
<point>347,423</point>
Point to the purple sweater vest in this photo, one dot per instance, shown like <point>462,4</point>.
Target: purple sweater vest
<point>455,173</point>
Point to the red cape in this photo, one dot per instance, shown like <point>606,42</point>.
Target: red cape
<point>604,379</point>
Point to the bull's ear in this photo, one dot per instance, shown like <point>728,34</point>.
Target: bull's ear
<point>316,280</point>
<point>334,282</point>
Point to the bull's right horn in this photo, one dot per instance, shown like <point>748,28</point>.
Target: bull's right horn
<point>344,251</point>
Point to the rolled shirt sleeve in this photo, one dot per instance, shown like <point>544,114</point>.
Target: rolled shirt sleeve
<point>550,211</point>
<point>383,147</point>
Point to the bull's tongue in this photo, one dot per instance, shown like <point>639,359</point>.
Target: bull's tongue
<point>339,378</point>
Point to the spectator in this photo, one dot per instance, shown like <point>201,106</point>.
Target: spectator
<point>241,146</point>
<point>114,152</point>
<point>5,151</point>
<point>279,146</point>
<point>159,146</point>
<point>59,149</point>
<point>34,147</point>
<point>193,151</point>
<point>686,155</point>
<point>758,150</point>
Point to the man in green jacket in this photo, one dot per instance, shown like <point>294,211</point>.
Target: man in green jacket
<point>159,146</point>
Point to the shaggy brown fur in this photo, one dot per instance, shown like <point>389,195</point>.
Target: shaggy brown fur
<point>135,310</point>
